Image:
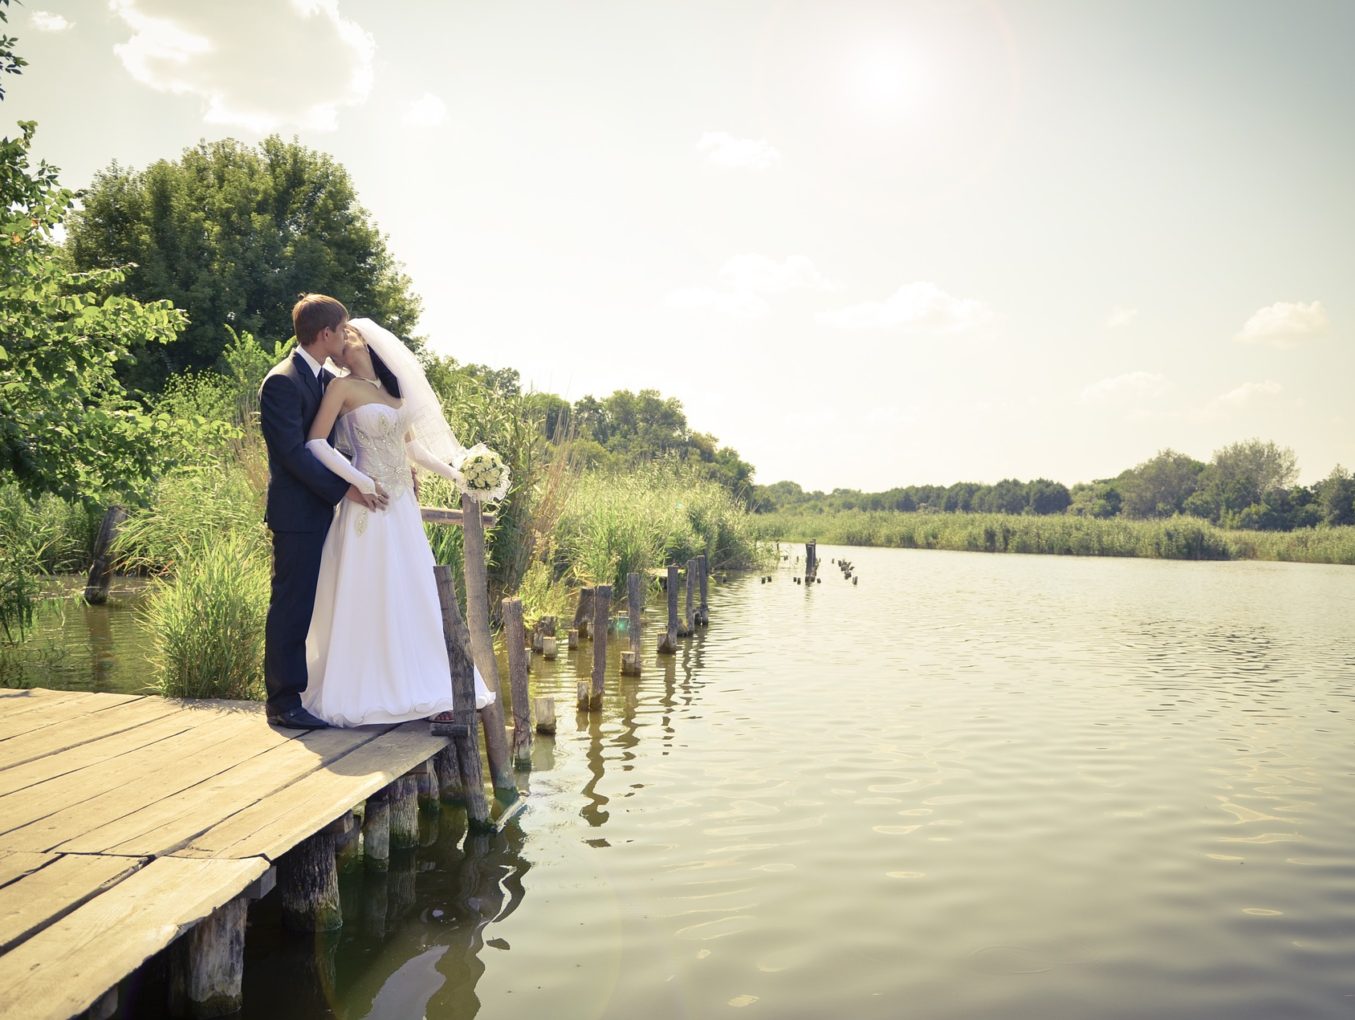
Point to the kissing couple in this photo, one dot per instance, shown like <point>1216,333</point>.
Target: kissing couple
<point>354,630</point>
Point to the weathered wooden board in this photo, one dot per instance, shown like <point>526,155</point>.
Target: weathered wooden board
<point>55,710</point>
<point>39,819</point>
<point>168,823</point>
<point>65,967</point>
<point>81,729</point>
<point>273,826</point>
<point>15,864</point>
<point>41,897</point>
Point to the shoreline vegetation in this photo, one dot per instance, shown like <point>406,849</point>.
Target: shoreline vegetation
<point>1173,538</point>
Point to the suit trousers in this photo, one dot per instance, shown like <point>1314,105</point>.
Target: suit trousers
<point>296,568</point>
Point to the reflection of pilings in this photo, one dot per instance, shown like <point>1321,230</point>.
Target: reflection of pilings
<point>594,812</point>
<point>401,885</point>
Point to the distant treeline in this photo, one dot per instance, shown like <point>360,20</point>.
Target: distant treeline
<point>1249,485</point>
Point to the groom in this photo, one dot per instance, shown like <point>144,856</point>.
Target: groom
<point>302,495</point>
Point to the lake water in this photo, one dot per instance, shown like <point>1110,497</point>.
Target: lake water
<point>968,786</point>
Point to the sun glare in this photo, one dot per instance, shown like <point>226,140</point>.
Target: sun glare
<point>886,80</point>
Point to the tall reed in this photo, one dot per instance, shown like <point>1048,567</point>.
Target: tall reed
<point>1181,538</point>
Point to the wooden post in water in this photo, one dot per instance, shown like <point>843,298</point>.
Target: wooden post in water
<point>549,649</point>
<point>517,674</point>
<point>309,883</point>
<point>585,695</point>
<point>404,824</point>
<point>703,610</point>
<point>207,965</point>
<point>572,638</point>
<point>688,625</point>
<point>668,643</point>
<point>811,560</point>
<point>544,709</point>
<point>376,831</point>
<point>635,606</point>
<point>602,606</point>
<point>583,615</point>
<point>427,777</point>
<point>482,646</point>
<point>466,739</point>
<point>450,788</point>
<point>101,568</point>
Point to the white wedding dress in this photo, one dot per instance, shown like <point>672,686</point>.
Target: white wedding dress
<point>375,651</point>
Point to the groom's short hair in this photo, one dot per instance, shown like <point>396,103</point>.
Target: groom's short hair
<point>313,313</point>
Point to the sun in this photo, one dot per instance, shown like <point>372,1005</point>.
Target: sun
<point>887,79</point>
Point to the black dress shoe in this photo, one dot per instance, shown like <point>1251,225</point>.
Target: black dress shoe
<point>296,719</point>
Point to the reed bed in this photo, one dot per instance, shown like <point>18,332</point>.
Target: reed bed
<point>1178,538</point>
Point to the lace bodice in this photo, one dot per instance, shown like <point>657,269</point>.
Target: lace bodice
<point>377,434</point>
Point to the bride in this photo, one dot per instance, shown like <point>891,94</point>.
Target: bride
<point>375,650</point>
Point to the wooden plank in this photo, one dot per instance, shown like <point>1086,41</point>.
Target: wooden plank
<point>446,515</point>
<point>33,820</point>
<point>169,823</point>
<point>97,752</point>
<point>36,699</point>
<point>65,967</point>
<point>15,864</point>
<point>33,902</point>
<point>82,729</point>
<point>274,826</point>
<point>49,711</point>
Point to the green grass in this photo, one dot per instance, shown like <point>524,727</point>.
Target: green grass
<point>1178,538</point>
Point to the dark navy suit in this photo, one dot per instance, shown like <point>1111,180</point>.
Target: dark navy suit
<point>302,495</point>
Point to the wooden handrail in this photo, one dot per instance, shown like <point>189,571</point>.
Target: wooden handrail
<point>446,515</point>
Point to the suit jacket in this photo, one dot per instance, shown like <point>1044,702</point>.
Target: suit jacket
<point>302,493</point>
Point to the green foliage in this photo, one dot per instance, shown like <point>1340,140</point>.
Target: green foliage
<point>10,62</point>
<point>1160,487</point>
<point>207,620</point>
<point>1183,538</point>
<point>616,523</point>
<point>232,233</point>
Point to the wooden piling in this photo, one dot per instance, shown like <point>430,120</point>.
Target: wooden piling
<point>101,568</point>
<point>585,699</point>
<point>583,615</point>
<point>450,789</point>
<point>376,831</point>
<point>482,645</point>
<point>811,560</point>
<point>404,820</point>
<point>549,649</point>
<point>572,637</point>
<point>427,779</point>
<point>544,708</point>
<point>635,607</point>
<point>517,673</point>
<point>207,964</point>
<point>466,740</point>
<point>630,663</point>
<point>602,606</point>
<point>703,579</point>
<point>347,843</point>
<point>668,642</point>
<point>688,623</point>
<point>309,885</point>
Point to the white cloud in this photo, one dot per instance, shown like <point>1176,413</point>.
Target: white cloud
<point>1285,324</point>
<point>729,153</point>
<point>255,64</point>
<point>1121,388</point>
<point>758,274</point>
<point>1121,316</point>
<point>1238,398</point>
<point>738,304</point>
<point>426,111</point>
<point>45,21</point>
<point>921,307</point>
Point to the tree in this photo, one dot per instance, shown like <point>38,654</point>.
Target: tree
<point>1241,474</point>
<point>1336,497</point>
<point>232,234</point>
<point>1160,486</point>
<point>1047,496</point>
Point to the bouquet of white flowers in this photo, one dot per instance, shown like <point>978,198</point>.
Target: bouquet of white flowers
<point>484,475</point>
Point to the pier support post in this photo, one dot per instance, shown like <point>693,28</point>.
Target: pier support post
<point>602,607</point>
<point>450,790</point>
<point>668,642</point>
<point>544,709</point>
<point>376,831</point>
<point>347,849</point>
<point>309,884</point>
<point>207,964</point>
<point>404,823</point>
<point>688,624</point>
<point>583,615</point>
<point>703,578</point>
<point>517,673</point>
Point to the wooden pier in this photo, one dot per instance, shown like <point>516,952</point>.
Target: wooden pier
<point>128,821</point>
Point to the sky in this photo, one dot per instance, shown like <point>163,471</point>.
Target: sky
<point>865,244</point>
